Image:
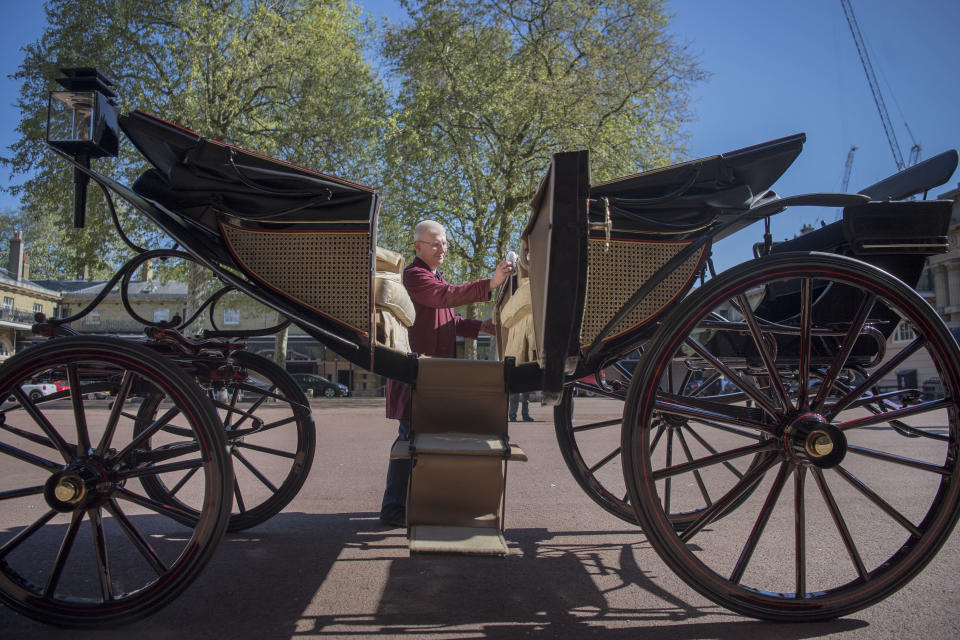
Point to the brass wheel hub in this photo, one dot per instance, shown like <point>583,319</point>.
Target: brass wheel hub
<point>80,485</point>
<point>809,439</point>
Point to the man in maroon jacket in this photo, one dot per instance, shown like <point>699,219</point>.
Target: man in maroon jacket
<point>434,333</point>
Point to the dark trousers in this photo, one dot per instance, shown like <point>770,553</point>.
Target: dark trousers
<point>515,401</point>
<point>394,506</point>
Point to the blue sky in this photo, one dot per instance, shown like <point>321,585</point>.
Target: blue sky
<point>777,68</point>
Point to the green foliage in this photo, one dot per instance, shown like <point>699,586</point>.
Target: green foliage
<point>283,77</point>
<point>489,89</point>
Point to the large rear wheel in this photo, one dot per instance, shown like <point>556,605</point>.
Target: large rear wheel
<point>844,509</point>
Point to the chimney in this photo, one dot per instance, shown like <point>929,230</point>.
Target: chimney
<point>148,270</point>
<point>15,260</point>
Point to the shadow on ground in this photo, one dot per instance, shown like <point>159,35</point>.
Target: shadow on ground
<point>262,584</point>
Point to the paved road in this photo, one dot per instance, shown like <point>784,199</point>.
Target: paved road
<point>325,568</point>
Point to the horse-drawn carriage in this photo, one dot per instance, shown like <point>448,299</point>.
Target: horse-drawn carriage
<point>710,392</point>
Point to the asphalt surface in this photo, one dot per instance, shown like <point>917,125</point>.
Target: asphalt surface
<point>326,568</point>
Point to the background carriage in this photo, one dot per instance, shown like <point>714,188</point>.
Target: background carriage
<point>720,389</point>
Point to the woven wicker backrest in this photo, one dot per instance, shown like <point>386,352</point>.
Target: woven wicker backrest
<point>615,274</point>
<point>328,272</point>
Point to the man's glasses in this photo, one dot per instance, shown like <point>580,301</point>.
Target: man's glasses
<point>436,246</point>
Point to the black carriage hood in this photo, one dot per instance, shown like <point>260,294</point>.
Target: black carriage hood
<point>686,197</point>
<point>199,177</point>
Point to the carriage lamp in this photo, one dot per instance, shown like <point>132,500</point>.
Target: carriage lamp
<point>82,122</point>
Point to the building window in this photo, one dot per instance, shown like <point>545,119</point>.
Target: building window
<point>161,315</point>
<point>37,307</point>
<point>92,318</point>
<point>8,303</point>
<point>904,333</point>
<point>231,316</point>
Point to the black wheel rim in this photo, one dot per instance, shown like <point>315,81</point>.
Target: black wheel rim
<point>825,531</point>
<point>81,544</point>
<point>270,437</point>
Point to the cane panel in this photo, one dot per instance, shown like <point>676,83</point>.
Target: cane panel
<point>326,271</point>
<point>615,274</point>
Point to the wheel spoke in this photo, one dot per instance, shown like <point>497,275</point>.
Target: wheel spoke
<point>273,452</point>
<point>765,355</point>
<point>923,407</point>
<point>183,481</point>
<point>153,505</point>
<point>747,387</point>
<point>840,523</point>
<point>668,482</point>
<point>907,462</point>
<point>63,553</point>
<point>674,405</point>
<point>241,507</point>
<point>871,380</point>
<point>21,493</point>
<point>840,360</point>
<point>29,457</point>
<point>155,470</point>
<point>696,474</point>
<point>706,445</point>
<point>26,435</point>
<point>115,412</point>
<point>141,543</point>
<point>750,480</point>
<point>800,531</point>
<point>610,456</point>
<point>700,463</point>
<point>256,472</point>
<point>145,435</point>
<point>79,414</point>
<point>880,502</point>
<point>100,550</point>
<point>16,540</point>
<point>66,450</point>
<point>806,312</point>
<point>761,523</point>
<point>598,425</point>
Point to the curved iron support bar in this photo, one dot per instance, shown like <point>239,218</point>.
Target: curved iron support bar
<point>116,220</point>
<point>150,209</point>
<point>767,207</point>
<point>216,331</point>
<point>131,267</point>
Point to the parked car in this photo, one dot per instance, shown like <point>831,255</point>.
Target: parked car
<point>37,390</point>
<point>320,385</point>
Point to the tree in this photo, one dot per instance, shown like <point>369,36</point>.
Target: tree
<point>489,89</point>
<point>284,77</point>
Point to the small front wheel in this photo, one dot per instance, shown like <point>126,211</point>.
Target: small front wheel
<point>80,544</point>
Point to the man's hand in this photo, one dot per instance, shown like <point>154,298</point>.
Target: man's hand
<point>503,271</point>
<point>488,327</point>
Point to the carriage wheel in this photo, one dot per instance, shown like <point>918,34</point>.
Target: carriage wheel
<point>588,431</point>
<point>80,545</point>
<point>270,436</point>
<point>844,509</point>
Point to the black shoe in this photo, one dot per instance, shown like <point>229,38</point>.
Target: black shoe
<point>394,523</point>
<point>529,419</point>
<point>513,419</point>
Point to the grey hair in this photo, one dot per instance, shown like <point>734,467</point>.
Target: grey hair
<point>427,226</point>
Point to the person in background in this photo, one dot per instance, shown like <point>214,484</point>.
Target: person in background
<point>516,400</point>
<point>434,333</point>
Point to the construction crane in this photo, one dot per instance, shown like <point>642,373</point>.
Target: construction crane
<point>846,170</point>
<point>874,87</point>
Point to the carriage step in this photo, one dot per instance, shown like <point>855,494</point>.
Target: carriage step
<point>460,449</point>
<point>470,444</point>
<point>468,540</point>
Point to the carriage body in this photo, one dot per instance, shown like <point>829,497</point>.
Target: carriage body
<point>788,342</point>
